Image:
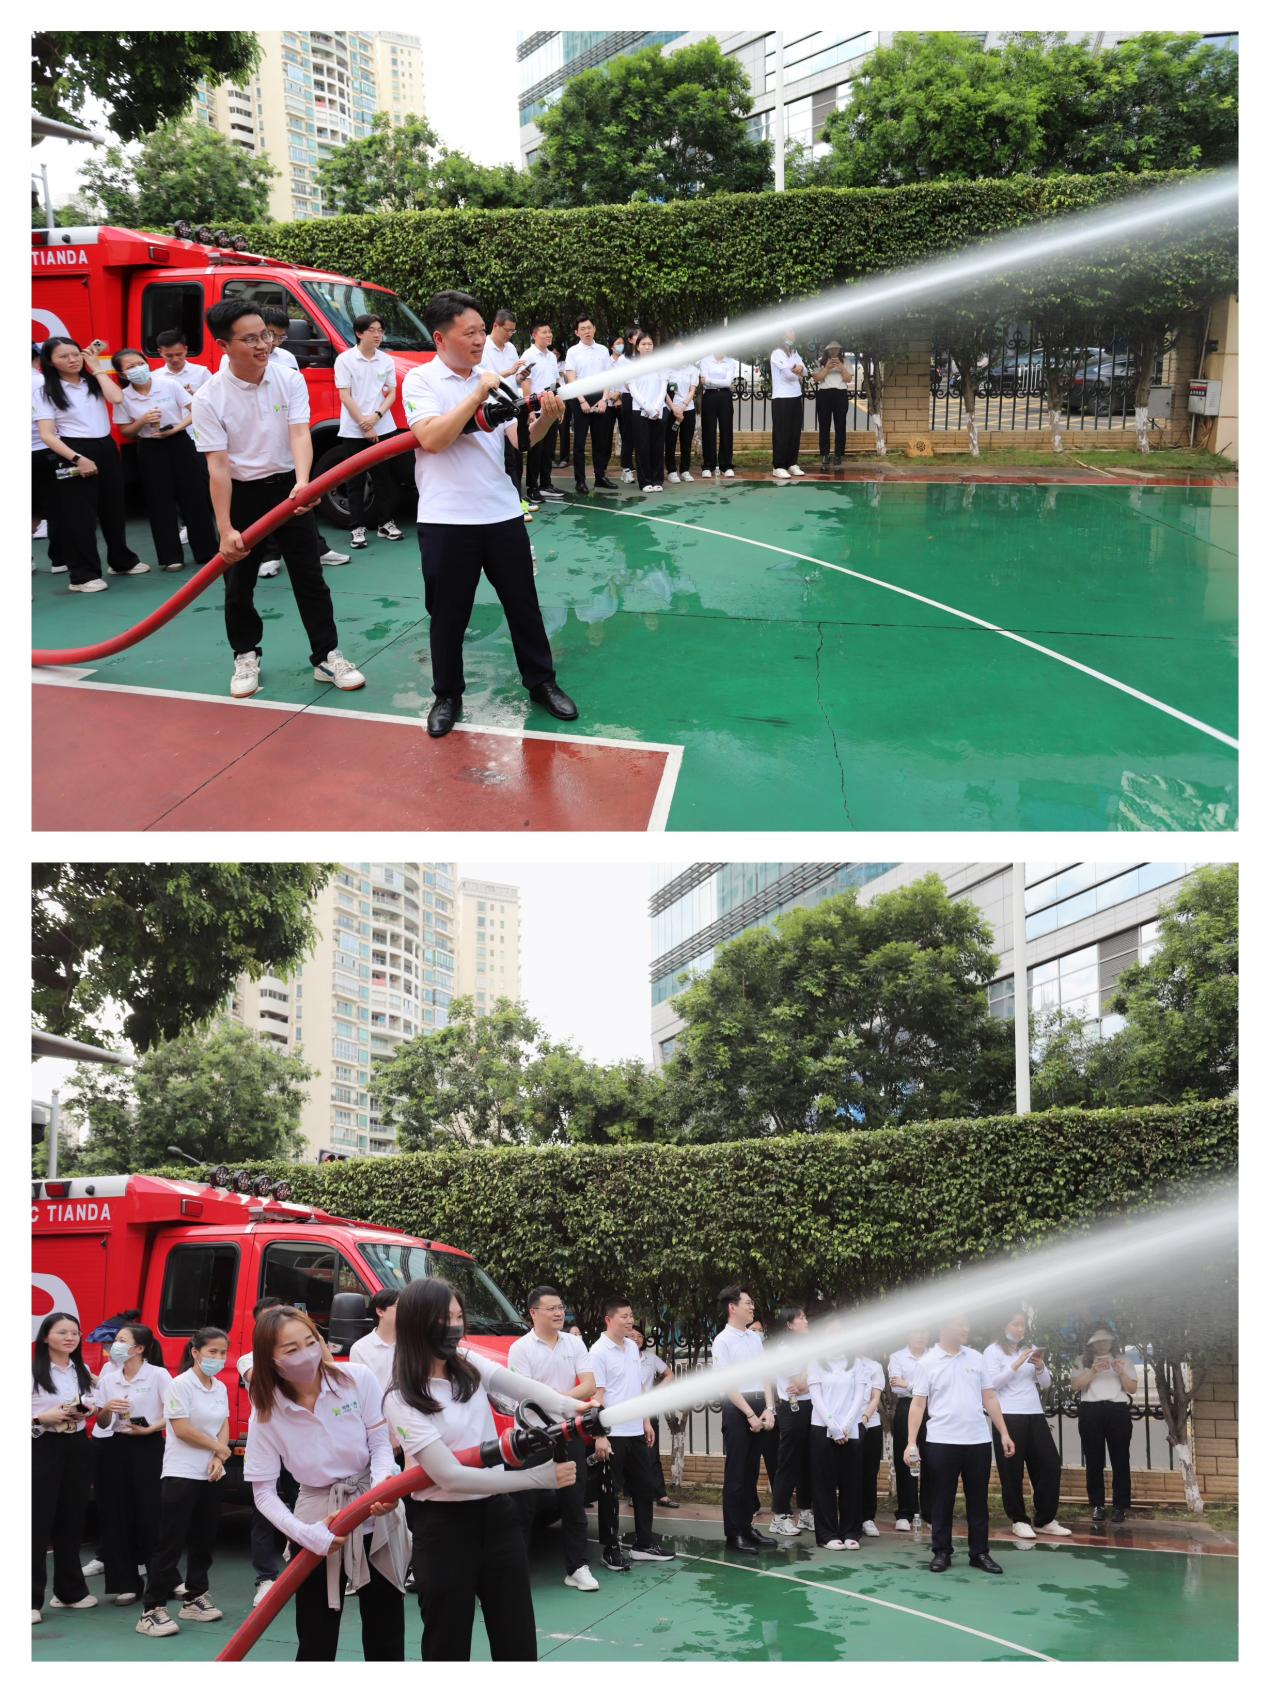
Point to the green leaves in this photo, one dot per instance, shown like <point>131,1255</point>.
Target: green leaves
<point>143,78</point>
<point>182,170</point>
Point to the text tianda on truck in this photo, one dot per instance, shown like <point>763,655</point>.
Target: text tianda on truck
<point>189,1254</point>
<point>126,286</point>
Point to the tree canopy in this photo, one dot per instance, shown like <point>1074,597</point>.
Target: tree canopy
<point>164,942</point>
<point>403,167</point>
<point>182,170</point>
<point>144,78</point>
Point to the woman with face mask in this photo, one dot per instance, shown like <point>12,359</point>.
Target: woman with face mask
<point>1018,1372</point>
<point>128,1441</point>
<point>63,1392</point>
<point>154,413</point>
<point>195,1453</point>
<point>468,1540</point>
<point>323,1421</point>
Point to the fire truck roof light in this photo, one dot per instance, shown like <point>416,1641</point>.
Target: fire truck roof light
<point>57,1189</point>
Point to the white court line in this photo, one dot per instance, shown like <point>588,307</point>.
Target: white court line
<point>656,816</point>
<point>952,610</point>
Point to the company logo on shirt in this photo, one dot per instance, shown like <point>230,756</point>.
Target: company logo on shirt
<point>351,1408</point>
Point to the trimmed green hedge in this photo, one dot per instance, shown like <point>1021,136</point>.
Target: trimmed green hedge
<point>689,263</point>
<point>803,1216</point>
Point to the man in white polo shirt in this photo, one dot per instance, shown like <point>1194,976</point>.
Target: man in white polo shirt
<point>377,1350</point>
<point>592,413</point>
<point>366,382</point>
<point>546,1353</point>
<point>500,354</point>
<point>470,521</point>
<point>618,1372</point>
<point>950,1382</point>
<point>251,420</point>
<point>748,1414</point>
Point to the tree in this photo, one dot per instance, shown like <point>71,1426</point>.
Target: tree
<point>583,1103</point>
<point>182,170</point>
<point>651,126</point>
<point>844,1016</point>
<point>144,78</point>
<point>222,1095</point>
<point>458,181</point>
<point>388,170</point>
<point>164,941</point>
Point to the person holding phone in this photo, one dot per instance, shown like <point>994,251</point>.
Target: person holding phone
<point>194,1457</point>
<point>787,373</point>
<point>1106,1381</point>
<point>62,1395</point>
<point>154,413</point>
<point>128,1442</point>
<point>1019,1373</point>
<point>832,403</point>
<point>902,1367</point>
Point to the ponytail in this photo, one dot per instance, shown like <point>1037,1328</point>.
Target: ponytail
<point>196,1341</point>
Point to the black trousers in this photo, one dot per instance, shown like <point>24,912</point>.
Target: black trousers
<point>678,436</point>
<point>786,433</point>
<point>128,1482</point>
<point>655,1469</point>
<point>950,1465</point>
<point>624,417</point>
<point>563,444</point>
<point>301,548</point>
<point>742,1457</point>
<point>86,503</point>
<point>514,456</point>
<point>835,1483</point>
<point>382,1609</point>
<point>61,1472</point>
<point>379,479</point>
<point>266,1540</point>
<point>832,407</point>
<point>45,505</point>
<point>538,474</point>
<point>629,1469</point>
<point>174,482</point>
<point>793,1468</point>
<point>1035,1452</point>
<point>469,1553</point>
<point>717,409</point>
<point>913,1495</point>
<point>649,446</point>
<point>568,1503</point>
<point>454,556</point>
<point>598,425</point>
<point>1106,1427</point>
<point>188,1518</point>
<point>874,1441</point>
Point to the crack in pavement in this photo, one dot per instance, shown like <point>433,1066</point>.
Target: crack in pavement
<point>819,699</point>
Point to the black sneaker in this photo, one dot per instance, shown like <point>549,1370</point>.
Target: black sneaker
<point>550,493</point>
<point>650,1554</point>
<point>616,1560</point>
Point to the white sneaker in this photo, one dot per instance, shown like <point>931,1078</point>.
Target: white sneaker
<point>98,584</point>
<point>871,1530</point>
<point>201,1609</point>
<point>184,534</point>
<point>1054,1527</point>
<point>582,1579</point>
<point>339,672</point>
<point>707,474</point>
<point>627,475</point>
<point>123,1598</point>
<point>389,531</point>
<point>806,1521</point>
<point>269,569</point>
<point>673,476</point>
<point>36,1617</point>
<point>95,1567</point>
<point>179,566</point>
<point>157,1624</point>
<point>245,682</point>
<point>850,1545</point>
<point>780,475</point>
<point>729,472</point>
<point>796,470</point>
<point>784,1524</point>
<point>357,538</point>
<point>902,1525</point>
<point>687,476</point>
<point>137,569</point>
<point>58,569</point>
<point>651,488</point>
<point>333,557</point>
<point>835,1545</point>
<point>261,1589</point>
<point>660,488</point>
<point>179,1591</point>
<point>1023,1530</point>
<point>40,532</point>
<point>89,1603</point>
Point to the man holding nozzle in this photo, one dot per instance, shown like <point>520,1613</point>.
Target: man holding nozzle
<point>469,517</point>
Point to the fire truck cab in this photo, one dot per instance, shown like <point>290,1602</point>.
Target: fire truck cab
<point>125,287</point>
<point>187,1254</point>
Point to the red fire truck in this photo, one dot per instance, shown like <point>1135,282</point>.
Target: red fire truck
<point>188,1255</point>
<point>125,287</point>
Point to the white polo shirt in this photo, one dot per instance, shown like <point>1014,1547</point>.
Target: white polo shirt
<point>618,1372</point>
<point>684,377</point>
<point>279,355</point>
<point>190,376</point>
<point>369,381</point>
<point>903,1365</point>
<point>499,359</point>
<point>594,360</point>
<point>251,420</point>
<point>719,372</point>
<point>145,1394</point>
<point>86,416</point>
<point>620,370</point>
<point>457,1425</point>
<point>839,1387</point>
<point>207,1408</point>
<point>738,1345</point>
<point>560,1365</point>
<point>952,1385</point>
<point>172,402</point>
<point>65,1390</point>
<point>648,393</point>
<point>872,1377</point>
<point>467,483</point>
<point>323,1445</point>
<point>37,440</point>
<point>785,384</point>
<point>544,369</point>
<point>1018,1389</point>
<point>651,1367</point>
<point>375,1354</point>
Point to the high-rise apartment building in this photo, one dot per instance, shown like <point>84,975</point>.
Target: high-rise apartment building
<point>1085,923</point>
<point>312,91</point>
<point>488,942</point>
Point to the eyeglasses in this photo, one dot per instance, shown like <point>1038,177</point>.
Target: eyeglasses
<point>254,340</point>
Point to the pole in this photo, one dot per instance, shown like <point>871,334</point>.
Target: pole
<point>1021,996</point>
<point>778,114</point>
<point>54,1127</point>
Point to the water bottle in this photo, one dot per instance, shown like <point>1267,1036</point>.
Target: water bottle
<point>915,1469</point>
<point>65,471</point>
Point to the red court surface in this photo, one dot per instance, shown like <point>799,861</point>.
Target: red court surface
<point>195,762</point>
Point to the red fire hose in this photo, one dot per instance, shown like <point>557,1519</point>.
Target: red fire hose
<point>204,578</point>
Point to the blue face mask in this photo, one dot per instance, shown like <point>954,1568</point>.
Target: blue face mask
<point>211,1365</point>
<point>120,1353</point>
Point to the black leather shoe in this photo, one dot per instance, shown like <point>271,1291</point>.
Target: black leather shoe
<point>582,488</point>
<point>556,701</point>
<point>745,1547</point>
<point>603,482</point>
<point>763,1539</point>
<point>1099,1512</point>
<point>667,1503</point>
<point>986,1563</point>
<point>940,1562</point>
<point>443,715</point>
<point>1117,1515</point>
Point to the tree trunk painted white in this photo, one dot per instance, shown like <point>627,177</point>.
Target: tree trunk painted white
<point>678,1447</point>
<point>1143,428</point>
<point>874,423</point>
<point>1055,428</point>
<point>1189,1475</point>
<point>972,424</point>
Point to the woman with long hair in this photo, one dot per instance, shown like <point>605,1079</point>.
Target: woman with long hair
<point>69,410</point>
<point>323,1421</point>
<point>128,1442</point>
<point>793,1419</point>
<point>194,1457</point>
<point>1106,1381</point>
<point>468,1541</point>
<point>647,399</point>
<point>838,1395</point>
<point>1018,1372</point>
<point>62,1394</point>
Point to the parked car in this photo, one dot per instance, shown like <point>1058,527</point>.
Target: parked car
<point>1103,384</point>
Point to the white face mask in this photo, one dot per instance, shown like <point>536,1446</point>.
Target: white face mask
<point>137,374</point>
<point>120,1353</point>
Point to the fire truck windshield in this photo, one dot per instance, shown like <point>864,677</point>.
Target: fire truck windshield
<point>345,301</point>
<point>488,1312</point>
